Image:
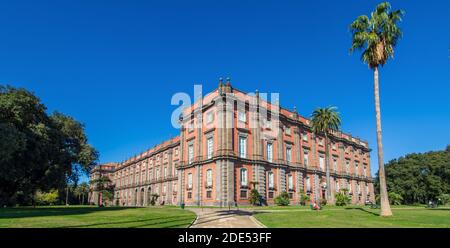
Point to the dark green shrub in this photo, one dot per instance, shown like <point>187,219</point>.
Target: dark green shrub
<point>342,198</point>
<point>282,199</point>
<point>304,199</point>
<point>255,197</point>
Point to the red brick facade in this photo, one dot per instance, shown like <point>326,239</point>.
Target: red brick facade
<point>228,145</point>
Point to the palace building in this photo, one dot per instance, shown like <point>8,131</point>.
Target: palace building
<point>231,142</point>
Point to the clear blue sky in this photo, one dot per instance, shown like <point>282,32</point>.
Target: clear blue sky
<point>114,65</point>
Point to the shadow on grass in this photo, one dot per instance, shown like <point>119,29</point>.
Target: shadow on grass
<point>53,211</point>
<point>363,210</point>
<point>140,223</point>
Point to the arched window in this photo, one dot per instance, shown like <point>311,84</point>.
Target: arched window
<point>244,181</point>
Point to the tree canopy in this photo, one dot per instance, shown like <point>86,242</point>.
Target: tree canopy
<point>38,151</point>
<point>420,177</point>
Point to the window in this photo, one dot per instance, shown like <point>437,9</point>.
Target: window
<point>305,157</point>
<point>320,142</point>
<point>305,136</point>
<point>210,147</point>
<point>243,194</point>
<point>242,116</point>
<point>244,173</point>
<point>322,162</point>
<point>191,126</point>
<point>288,154</point>
<point>288,130</point>
<point>164,189</point>
<point>347,166</point>
<point>270,194</point>
<point>270,180</point>
<point>290,182</point>
<point>189,195</point>
<point>209,178</point>
<point>165,171</point>
<point>209,117</point>
<point>334,164</point>
<point>242,147</point>
<point>358,188</point>
<point>269,152</point>
<point>189,179</point>
<point>337,186</point>
<point>367,189</point>
<point>356,168</point>
<point>349,187</point>
<point>191,153</point>
<point>333,146</point>
<point>308,184</point>
<point>365,170</point>
<point>157,173</point>
<point>176,151</point>
<point>209,194</point>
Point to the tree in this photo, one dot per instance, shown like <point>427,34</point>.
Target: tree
<point>419,177</point>
<point>377,37</point>
<point>103,185</point>
<point>38,151</point>
<point>395,199</point>
<point>81,192</point>
<point>324,121</point>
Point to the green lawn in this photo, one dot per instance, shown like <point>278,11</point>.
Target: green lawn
<point>93,217</point>
<point>353,217</point>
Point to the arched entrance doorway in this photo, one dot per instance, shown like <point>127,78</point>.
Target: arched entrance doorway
<point>141,197</point>
<point>149,195</point>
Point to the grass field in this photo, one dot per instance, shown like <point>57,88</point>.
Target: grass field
<point>354,217</point>
<point>93,217</point>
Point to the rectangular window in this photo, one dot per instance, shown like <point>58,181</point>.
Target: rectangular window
<point>356,168</point>
<point>321,141</point>
<point>189,179</point>
<point>209,117</point>
<point>191,153</point>
<point>288,130</point>
<point>337,186</point>
<point>322,162</point>
<point>308,184</point>
<point>210,147</point>
<point>288,154</point>
<point>242,147</point>
<point>333,146</point>
<point>176,152</point>
<point>269,152</point>
<point>305,157</point>
<point>271,181</point>
<point>244,181</point>
<point>243,194</point>
<point>347,166</point>
<point>290,182</point>
<point>334,164</point>
<point>305,136</point>
<point>209,178</point>
<point>365,170</point>
<point>165,171</point>
<point>270,196</point>
<point>209,194</point>
<point>242,116</point>
<point>189,195</point>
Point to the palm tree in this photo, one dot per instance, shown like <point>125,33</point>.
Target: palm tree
<point>323,122</point>
<point>377,38</point>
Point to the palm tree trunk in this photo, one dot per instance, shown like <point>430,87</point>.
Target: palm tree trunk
<point>327,168</point>
<point>385,207</point>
